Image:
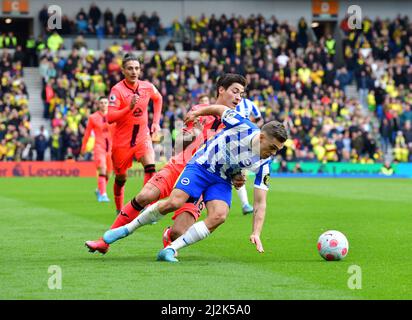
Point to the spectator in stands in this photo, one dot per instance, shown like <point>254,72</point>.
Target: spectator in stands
<point>153,44</point>
<point>94,14</point>
<point>40,145</point>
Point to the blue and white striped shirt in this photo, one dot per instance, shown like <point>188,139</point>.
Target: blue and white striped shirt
<point>246,107</point>
<point>230,151</point>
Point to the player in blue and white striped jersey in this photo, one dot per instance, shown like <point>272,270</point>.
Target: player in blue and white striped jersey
<point>248,110</point>
<point>240,145</point>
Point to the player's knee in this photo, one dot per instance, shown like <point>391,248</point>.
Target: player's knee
<point>174,203</point>
<point>120,180</point>
<point>143,198</point>
<point>216,219</point>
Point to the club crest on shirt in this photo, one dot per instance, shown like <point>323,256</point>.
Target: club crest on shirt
<point>112,98</point>
<point>138,112</point>
<point>185,181</point>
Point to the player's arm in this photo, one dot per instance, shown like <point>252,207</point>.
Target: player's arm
<point>259,208</point>
<point>114,114</point>
<point>261,188</point>
<point>157,109</point>
<point>212,110</point>
<point>86,136</point>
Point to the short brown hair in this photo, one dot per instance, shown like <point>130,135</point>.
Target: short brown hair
<point>227,79</point>
<point>275,129</point>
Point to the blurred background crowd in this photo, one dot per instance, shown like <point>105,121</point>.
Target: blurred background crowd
<point>357,111</point>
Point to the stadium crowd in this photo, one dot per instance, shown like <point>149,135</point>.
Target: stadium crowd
<point>291,78</point>
<point>15,140</point>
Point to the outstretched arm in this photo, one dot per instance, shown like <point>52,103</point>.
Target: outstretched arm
<point>259,207</point>
<point>212,110</point>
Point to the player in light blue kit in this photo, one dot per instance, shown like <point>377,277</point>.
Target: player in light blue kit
<point>240,145</point>
<point>248,110</point>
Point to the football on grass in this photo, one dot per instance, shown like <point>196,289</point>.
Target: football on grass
<point>333,245</point>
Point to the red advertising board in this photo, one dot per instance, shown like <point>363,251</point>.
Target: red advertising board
<point>47,169</point>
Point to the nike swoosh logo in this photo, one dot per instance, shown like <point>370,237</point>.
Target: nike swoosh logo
<point>123,214</point>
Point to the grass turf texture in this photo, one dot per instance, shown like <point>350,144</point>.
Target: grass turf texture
<point>45,222</point>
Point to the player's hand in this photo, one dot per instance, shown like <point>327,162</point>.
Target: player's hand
<point>198,126</point>
<point>133,102</point>
<point>238,180</point>
<point>155,128</point>
<point>255,239</point>
<point>190,117</point>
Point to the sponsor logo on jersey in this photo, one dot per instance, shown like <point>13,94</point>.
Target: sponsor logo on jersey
<point>266,179</point>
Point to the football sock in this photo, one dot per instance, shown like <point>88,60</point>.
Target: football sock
<point>147,216</point>
<point>118,191</point>
<point>101,183</point>
<point>149,172</point>
<point>130,211</point>
<point>195,233</point>
<point>242,192</point>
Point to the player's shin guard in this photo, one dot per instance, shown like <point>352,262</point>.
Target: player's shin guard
<point>118,191</point>
<point>149,171</point>
<point>101,183</point>
<point>195,233</point>
<point>129,212</point>
<point>147,216</point>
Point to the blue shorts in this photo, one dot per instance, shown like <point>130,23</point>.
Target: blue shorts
<point>196,180</point>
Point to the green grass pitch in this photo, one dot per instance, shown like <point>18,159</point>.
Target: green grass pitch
<point>44,222</point>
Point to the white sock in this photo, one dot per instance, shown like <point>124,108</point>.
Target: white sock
<point>195,233</point>
<point>147,216</point>
<point>242,192</point>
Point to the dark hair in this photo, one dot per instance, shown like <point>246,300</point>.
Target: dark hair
<point>129,57</point>
<point>101,98</point>
<point>275,129</point>
<point>201,96</point>
<point>228,79</point>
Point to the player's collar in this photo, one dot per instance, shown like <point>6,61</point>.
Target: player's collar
<point>130,88</point>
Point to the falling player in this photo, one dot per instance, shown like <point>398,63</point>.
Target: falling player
<point>101,129</point>
<point>240,145</point>
<point>128,108</point>
<point>229,89</point>
<point>248,110</point>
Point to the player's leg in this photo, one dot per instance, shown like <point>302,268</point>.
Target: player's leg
<point>122,161</point>
<point>151,214</point>
<point>183,219</point>
<point>131,210</point>
<point>100,159</point>
<point>218,200</point>
<point>146,156</point>
<point>246,207</point>
<point>159,187</point>
<point>190,184</point>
